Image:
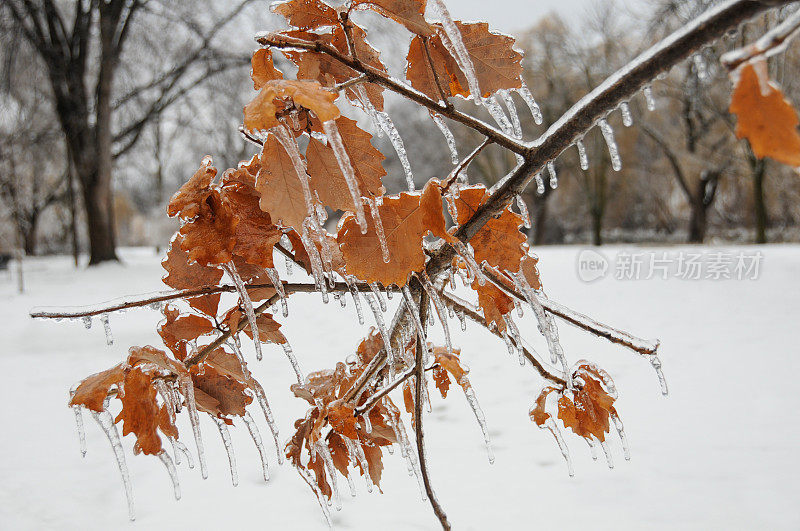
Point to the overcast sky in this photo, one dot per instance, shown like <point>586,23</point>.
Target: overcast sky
<point>508,16</point>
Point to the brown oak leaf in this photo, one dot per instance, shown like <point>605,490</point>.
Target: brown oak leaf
<point>409,13</point>
<point>281,192</point>
<point>765,118</point>
<point>307,14</point>
<point>190,198</point>
<point>92,391</point>
<point>140,412</point>
<point>260,113</point>
<point>183,274</point>
<point>263,68</point>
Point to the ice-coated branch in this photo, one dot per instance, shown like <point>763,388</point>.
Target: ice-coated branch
<point>418,397</point>
<point>378,395</point>
<point>126,303</point>
<point>374,75</point>
<point>771,43</point>
<point>620,337</point>
<point>461,307</point>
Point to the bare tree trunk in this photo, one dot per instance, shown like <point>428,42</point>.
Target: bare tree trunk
<point>759,204</point>
<point>29,236</point>
<point>73,221</point>
<point>697,221</point>
<point>597,226</point>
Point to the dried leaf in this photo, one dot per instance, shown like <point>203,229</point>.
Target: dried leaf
<point>186,328</point>
<point>494,302</point>
<point>588,410</point>
<point>209,238</point>
<point>339,453</point>
<point>140,412</point>
<point>406,219</point>
<point>326,176</point>
<point>307,14</point>
<point>188,201</point>
<point>409,13</point>
<point>260,114</point>
<point>281,192</point>
<point>255,234</point>
<point>528,269</point>
<point>441,379</point>
<point>182,274</point>
<point>228,392</point>
<point>499,242</point>
<point>268,328</point>
<point>92,391</point>
<point>538,413</point>
<point>765,118</point>
<point>263,69</point>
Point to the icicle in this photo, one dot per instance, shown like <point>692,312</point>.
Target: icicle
<point>351,484</point>
<point>536,112</point>
<point>262,402</point>
<point>316,262</point>
<point>78,421</point>
<point>553,427</point>
<point>322,450</point>
<point>248,306</point>
<point>181,448</point>
<point>289,265</point>
<point>376,219</point>
<point>430,289</point>
<point>372,299</point>
<point>613,151</point>
<point>469,392</point>
<point>397,142</point>
<point>407,449</point>
<point>463,319</point>
<point>287,350</point>
<point>173,474</point>
<point>450,313</point>
<point>367,422</point>
<point>256,436</point>
<point>627,118</point>
<point>648,98</point>
<point>106,423</point>
<point>107,329</point>
<point>539,184</point>
<point>289,144</point>
<point>469,260</point>
<point>452,35</point>
<point>431,319</point>
<point>509,345</point>
<point>498,115</point>
<point>655,361</point>
<point>518,307</point>
<point>377,292</point>
<point>592,449</point>
<point>389,292</point>
<point>523,211</point>
<point>309,479</point>
<point>448,136</point>
<point>551,169</point>
<point>366,104</point>
<point>623,439</point>
<point>356,452</point>
<point>414,310</point>
<point>515,335</point>
<point>700,66</point>
<point>275,278</point>
<point>353,287</point>
<point>512,112</point>
<point>335,142</point>
<point>87,322</point>
<point>226,440</point>
<point>187,387</point>
<point>609,458</point>
<point>584,159</point>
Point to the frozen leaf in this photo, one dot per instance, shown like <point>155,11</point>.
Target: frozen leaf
<point>765,118</point>
<point>538,413</point>
<point>497,64</point>
<point>494,302</point>
<point>263,69</point>
<point>255,233</point>
<point>92,391</point>
<point>209,238</point>
<point>528,269</point>
<point>189,200</point>
<point>268,328</point>
<point>499,242</point>
<point>140,412</point>
<point>182,274</point>
<point>307,14</point>
<point>406,219</point>
<point>326,176</point>
<point>441,379</point>
<point>409,13</point>
<point>281,192</point>
<point>260,114</point>
<point>589,408</point>
<point>229,393</point>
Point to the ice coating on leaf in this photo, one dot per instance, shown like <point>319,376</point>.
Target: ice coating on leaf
<point>539,184</point>
<point>582,156</point>
<point>469,260</point>
<point>187,388</point>
<point>324,452</point>
<point>357,453</point>
<point>256,436</point>
<point>376,219</point>
<point>553,427</point>
<point>289,143</point>
<point>173,474</point>
<point>551,169</point>
<point>107,329</point>
<point>523,211</point>
<point>316,262</point>
<point>336,143</point>
<point>366,104</point>
<point>452,36</point>
<point>275,278</point>
<point>385,122</point>
<point>648,98</point>
<point>498,115</point>
<point>106,423</point>
<point>226,440</point>
<point>448,136</point>
<point>529,100</point>
<point>244,297</point>
<point>613,150</point>
<point>309,479</point>
<point>627,117</point>
<point>469,392</point>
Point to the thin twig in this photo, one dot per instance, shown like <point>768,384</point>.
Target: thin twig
<point>349,83</point>
<point>378,395</point>
<point>420,379</point>
<point>442,93</point>
<point>464,163</point>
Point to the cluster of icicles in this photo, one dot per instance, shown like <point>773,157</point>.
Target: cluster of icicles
<point>320,257</point>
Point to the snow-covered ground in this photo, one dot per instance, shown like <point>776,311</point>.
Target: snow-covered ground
<point>719,452</point>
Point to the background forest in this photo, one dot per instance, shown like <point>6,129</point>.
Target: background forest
<point>182,79</point>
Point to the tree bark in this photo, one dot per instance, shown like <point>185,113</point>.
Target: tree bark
<point>597,226</point>
<point>697,220</point>
<point>759,203</point>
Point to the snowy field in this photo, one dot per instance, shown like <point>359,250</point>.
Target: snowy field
<point>721,452</point>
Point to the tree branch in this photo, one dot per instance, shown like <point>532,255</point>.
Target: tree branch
<point>771,43</point>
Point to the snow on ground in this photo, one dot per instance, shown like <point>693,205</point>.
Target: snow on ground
<point>719,452</point>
